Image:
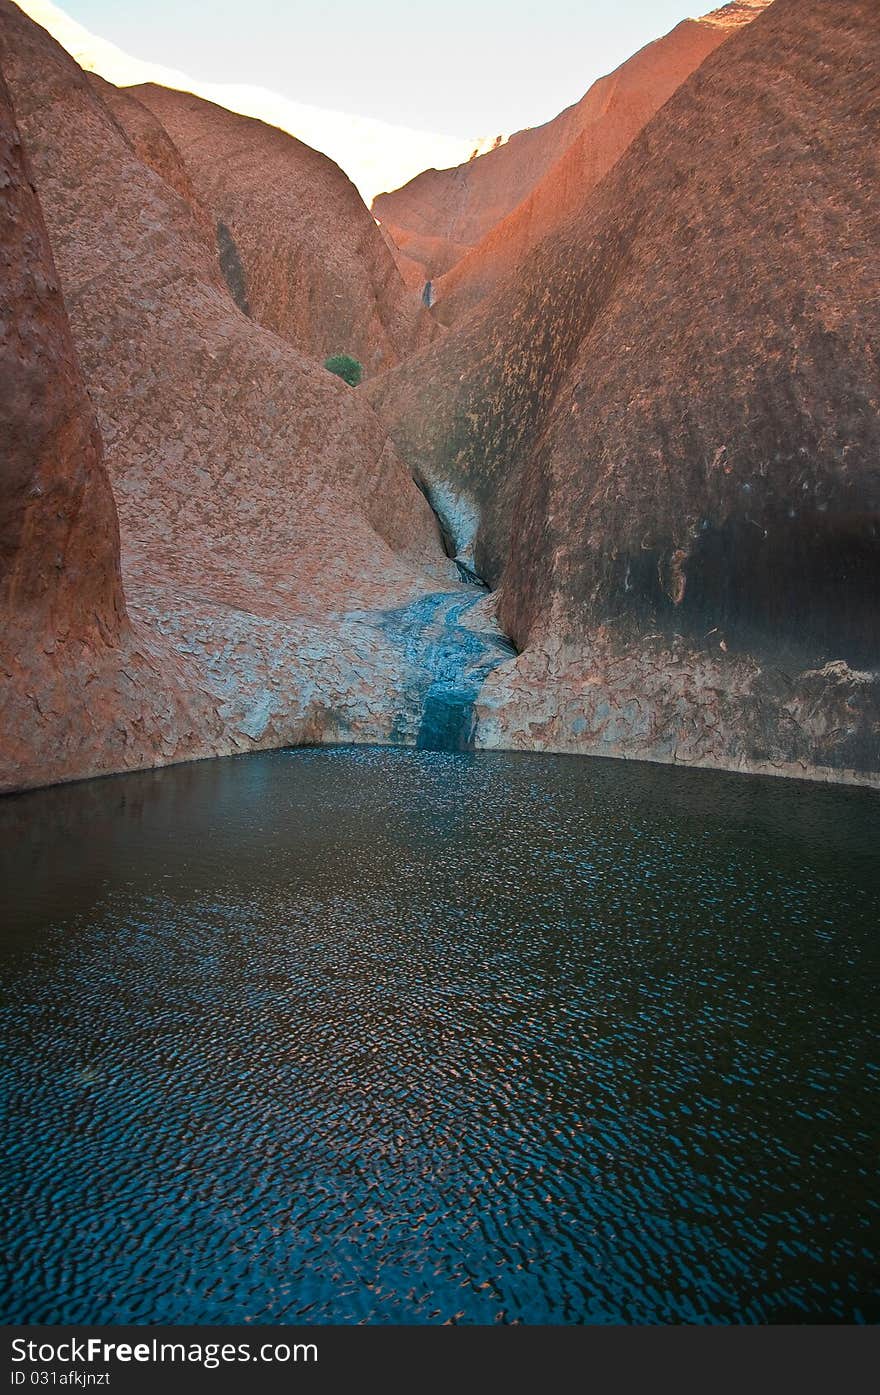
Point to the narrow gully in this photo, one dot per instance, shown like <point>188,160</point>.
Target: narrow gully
<point>452,659</point>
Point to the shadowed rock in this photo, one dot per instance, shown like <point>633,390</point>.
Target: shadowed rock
<point>668,428</point>
<point>59,540</point>
<point>233,271</point>
<point>266,522</point>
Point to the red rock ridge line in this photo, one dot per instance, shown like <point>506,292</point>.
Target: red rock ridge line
<point>266,522</point>
<point>610,116</point>
<point>668,425</point>
<point>441,215</point>
<point>311,262</point>
<point>59,538</point>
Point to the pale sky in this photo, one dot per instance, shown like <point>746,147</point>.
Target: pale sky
<point>462,67</point>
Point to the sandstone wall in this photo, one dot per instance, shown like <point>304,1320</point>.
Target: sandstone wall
<point>266,523</point>
<point>666,434</point>
<point>313,265</point>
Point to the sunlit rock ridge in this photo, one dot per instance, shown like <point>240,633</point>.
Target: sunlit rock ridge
<point>666,425</point>
<point>656,439</point>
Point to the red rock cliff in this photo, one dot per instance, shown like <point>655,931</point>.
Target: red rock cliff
<point>302,252</point>
<point>443,217</point>
<point>611,114</point>
<point>83,691</point>
<point>266,522</point>
<point>669,426</point>
<point>59,539</point>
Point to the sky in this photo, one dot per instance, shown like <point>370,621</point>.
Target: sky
<point>458,67</point>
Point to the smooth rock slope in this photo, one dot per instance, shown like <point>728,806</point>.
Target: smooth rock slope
<point>59,540</point>
<point>80,688</point>
<point>662,441</point>
<point>266,523</point>
<point>375,154</point>
<point>306,258</point>
<point>469,226</point>
<point>610,115</point>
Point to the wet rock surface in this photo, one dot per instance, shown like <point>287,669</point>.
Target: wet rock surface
<point>662,699</point>
<point>689,365</point>
<point>451,643</point>
<point>260,503</point>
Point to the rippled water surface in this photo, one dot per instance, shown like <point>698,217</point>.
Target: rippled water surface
<point>404,1036</point>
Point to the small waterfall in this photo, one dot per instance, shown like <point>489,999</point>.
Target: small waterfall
<point>448,720</point>
<point>460,662</point>
<point>452,662</point>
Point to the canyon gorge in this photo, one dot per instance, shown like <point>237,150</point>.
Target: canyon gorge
<point>611,483</point>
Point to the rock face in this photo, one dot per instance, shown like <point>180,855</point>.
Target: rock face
<point>267,525</point>
<point>148,138</point>
<point>663,442</point>
<point>440,214</point>
<point>448,218</point>
<point>421,258</point>
<point>375,154</point>
<point>300,251</point>
<point>59,539</point>
<point>660,442</point>
<point>81,689</point>
<point>611,114</point>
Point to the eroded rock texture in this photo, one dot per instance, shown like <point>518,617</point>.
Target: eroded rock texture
<point>59,541</point>
<point>81,691</point>
<point>300,251</point>
<point>267,525</point>
<point>440,214</point>
<point>484,216</point>
<point>614,110</point>
<point>663,442</point>
<point>148,138</point>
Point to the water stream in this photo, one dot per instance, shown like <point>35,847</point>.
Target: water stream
<point>454,657</point>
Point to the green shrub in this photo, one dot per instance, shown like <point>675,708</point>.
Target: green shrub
<point>345,367</point>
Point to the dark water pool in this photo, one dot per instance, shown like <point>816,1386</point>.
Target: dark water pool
<point>403,1036</point>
